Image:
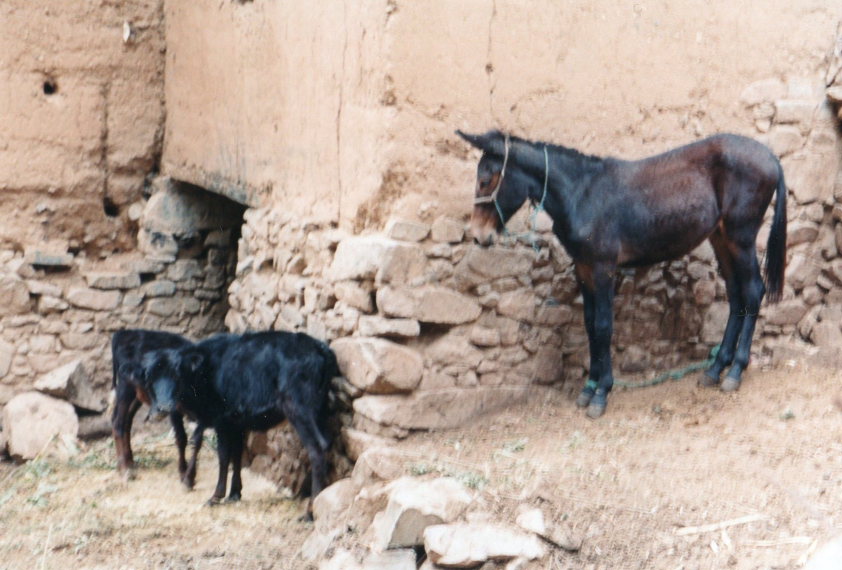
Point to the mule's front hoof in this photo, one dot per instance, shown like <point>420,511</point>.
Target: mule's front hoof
<point>233,498</point>
<point>214,502</point>
<point>708,381</point>
<point>730,385</point>
<point>188,483</point>
<point>598,403</point>
<point>584,398</point>
<point>586,394</point>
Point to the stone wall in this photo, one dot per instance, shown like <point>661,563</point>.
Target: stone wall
<point>59,306</point>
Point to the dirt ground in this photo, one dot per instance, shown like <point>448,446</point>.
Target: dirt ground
<point>633,485</point>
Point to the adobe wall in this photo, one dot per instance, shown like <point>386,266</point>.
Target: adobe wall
<point>81,117</point>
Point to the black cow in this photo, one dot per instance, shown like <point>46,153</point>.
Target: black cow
<point>247,383</point>
<point>128,348</point>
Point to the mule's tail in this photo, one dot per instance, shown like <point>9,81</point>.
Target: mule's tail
<point>776,246</point>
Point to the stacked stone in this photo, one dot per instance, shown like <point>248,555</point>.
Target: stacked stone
<point>800,125</point>
<point>58,306</point>
<point>431,330</point>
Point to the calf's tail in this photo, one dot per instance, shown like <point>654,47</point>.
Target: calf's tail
<point>776,245</point>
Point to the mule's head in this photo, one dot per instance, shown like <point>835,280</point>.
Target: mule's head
<point>502,186</point>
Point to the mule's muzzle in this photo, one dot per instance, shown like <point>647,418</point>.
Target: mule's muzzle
<point>484,226</point>
<point>484,241</point>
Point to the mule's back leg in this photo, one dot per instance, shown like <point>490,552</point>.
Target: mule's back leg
<point>728,346</point>
<point>752,291</point>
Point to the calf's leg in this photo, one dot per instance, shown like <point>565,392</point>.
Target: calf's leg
<point>223,452</point>
<point>314,441</point>
<point>237,444</point>
<point>125,408</point>
<point>180,441</point>
<point>189,478</point>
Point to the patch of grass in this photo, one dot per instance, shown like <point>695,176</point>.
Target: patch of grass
<point>787,415</point>
<point>38,469</point>
<point>42,493</point>
<point>517,445</point>
<point>93,460</point>
<point>6,497</point>
<point>151,461</point>
<point>574,441</point>
<point>470,479</point>
<point>419,469</point>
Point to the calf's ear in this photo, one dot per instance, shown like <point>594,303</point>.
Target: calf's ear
<point>132,372</point>
<point>194,361</point>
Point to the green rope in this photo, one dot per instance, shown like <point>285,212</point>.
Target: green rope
<point>676,374</point>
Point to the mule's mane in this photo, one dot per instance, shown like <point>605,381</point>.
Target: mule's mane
<point>569,161</point>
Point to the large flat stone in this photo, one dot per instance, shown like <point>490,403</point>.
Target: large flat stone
<point>34,423</point>
<point>360,257</point>
<point>71,382</point>
<point>412,506</point>
<point>113,279</point>
<point>485,264</point>
<point>438,409</point>
<point>94,299</point>
<point>464,545</point>
<point>14,295</point>
<point>428,304</point>
<point>406,230</point>
<point>7,353</point>
<point>378,366</point>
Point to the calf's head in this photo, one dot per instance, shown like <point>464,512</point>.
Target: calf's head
<point>157,379</point>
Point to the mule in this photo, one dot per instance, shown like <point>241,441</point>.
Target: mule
<point>610,213</point>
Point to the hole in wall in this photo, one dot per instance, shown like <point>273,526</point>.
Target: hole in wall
<point>110,208</point>
<point>49,87</point>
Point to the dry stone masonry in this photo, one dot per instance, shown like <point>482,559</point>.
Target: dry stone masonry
<point>58,307</point>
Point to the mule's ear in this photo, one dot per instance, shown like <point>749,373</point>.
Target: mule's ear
<point>492,141</point>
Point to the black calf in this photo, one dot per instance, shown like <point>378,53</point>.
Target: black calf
<point>243,383</point>
<point>127,349</point>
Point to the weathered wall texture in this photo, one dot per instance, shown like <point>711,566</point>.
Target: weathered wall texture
<point>348,113</point>
<point>277,100</point>
<point>81,116</point>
